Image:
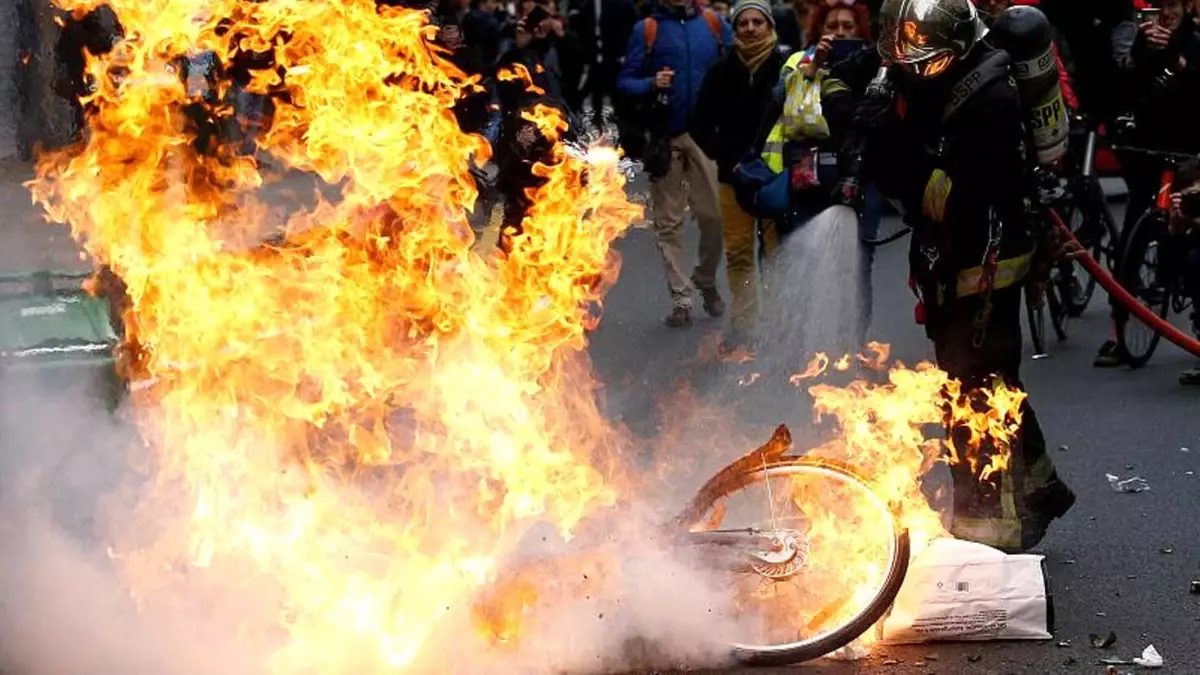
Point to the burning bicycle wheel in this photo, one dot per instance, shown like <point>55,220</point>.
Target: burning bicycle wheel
<point>814,557</point>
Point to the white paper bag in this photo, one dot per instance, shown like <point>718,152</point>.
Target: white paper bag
<point>960,590</point>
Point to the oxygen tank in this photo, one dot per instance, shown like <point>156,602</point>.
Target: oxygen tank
<point>1026,34</point>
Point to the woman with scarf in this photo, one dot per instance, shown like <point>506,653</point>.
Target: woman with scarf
<point>734,97</point>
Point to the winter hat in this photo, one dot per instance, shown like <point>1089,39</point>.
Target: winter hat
<point>761,5</point>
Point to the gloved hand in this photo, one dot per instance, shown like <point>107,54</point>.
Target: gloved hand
<point>874,108</point>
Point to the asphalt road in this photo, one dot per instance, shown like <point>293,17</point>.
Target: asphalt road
<point>1105,558</point>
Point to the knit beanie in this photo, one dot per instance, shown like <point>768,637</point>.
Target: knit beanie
<point>761,5</point>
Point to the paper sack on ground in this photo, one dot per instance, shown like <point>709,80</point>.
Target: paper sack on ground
<point>959,590</point>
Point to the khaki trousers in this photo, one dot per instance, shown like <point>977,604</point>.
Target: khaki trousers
<point>692,179</point>
<point>740,230</point>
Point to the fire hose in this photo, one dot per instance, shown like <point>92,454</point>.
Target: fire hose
<point>1116,290</point>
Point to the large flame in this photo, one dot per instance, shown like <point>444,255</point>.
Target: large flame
<point>365,416</point>
<point>365,413</point>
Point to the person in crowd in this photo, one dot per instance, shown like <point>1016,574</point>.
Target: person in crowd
<point>735,94</point>
<point>839,32</point>
<point>673,65</point>
<point>1185,233</point>
<point>955,163</point>
<point>96,31</point>
<point>604,27</point>
<point>723,10</point>
<point>1165,84</point>
<point>1098,35</point>
<point>251,111</point>
<point>565,57</point>
<point>522,82</point>
<point>792,21</point>
<point>471,110</point>
<point>481,29</point>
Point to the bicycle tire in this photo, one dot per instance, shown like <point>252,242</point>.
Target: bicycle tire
<point>1059,311</point>
<point>1131,259</point>
<point>1091,205</point>
<point>743,473</point>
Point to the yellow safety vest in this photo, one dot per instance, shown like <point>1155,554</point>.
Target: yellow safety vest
<point>772,152</point>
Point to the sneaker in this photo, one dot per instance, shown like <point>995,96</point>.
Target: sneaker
<point>713,304</point>
<point>1110,355</point>
<point>679,317</point>
<point>1190,377</point>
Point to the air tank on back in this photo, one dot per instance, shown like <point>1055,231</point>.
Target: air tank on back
<point>1025,33</point>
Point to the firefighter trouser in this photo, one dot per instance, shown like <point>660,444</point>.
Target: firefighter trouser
<point>1009,511</point>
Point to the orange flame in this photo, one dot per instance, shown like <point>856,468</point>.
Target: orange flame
<point>361,419</point>
<point>815,368</point>
<point>364,415</point>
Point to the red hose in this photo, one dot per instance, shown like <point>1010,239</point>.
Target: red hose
<point>1142,312</point>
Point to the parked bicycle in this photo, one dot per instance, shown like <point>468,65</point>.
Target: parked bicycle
<point>1144,267</point>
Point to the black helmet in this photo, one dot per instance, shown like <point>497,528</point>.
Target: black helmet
<point>925,37</point>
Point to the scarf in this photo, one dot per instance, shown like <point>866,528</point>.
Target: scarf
<point>753,54</point>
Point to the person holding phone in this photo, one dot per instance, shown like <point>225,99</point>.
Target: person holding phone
<point>1184,228</point>
<point>839,32</point>
<point>1164,90</point>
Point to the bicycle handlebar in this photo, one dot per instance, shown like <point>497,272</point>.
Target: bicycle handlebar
<point>1179,157</point>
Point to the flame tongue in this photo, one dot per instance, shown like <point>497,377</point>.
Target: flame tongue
<point>320,403</point>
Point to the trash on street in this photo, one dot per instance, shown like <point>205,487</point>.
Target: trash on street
<point>1150,658</point>
<point>1134,484</point>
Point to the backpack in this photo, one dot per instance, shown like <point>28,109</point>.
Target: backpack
<point>638,120</point>
<point>650,33</point>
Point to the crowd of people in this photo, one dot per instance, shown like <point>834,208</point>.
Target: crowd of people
<point>756,117</point>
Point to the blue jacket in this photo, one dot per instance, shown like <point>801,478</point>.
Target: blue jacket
<point>684,43</point>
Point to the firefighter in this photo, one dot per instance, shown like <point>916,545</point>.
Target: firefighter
<point>942,131</point>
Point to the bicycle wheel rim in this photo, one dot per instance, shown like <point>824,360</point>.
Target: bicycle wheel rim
<point>850,628</point>
<point>1139,261</point>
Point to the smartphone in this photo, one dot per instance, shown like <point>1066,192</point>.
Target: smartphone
<point>1148,14</point>
<point>843,48</point>
<point>1189,205</point>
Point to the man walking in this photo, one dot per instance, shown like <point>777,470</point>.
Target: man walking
<point>667,57</point>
